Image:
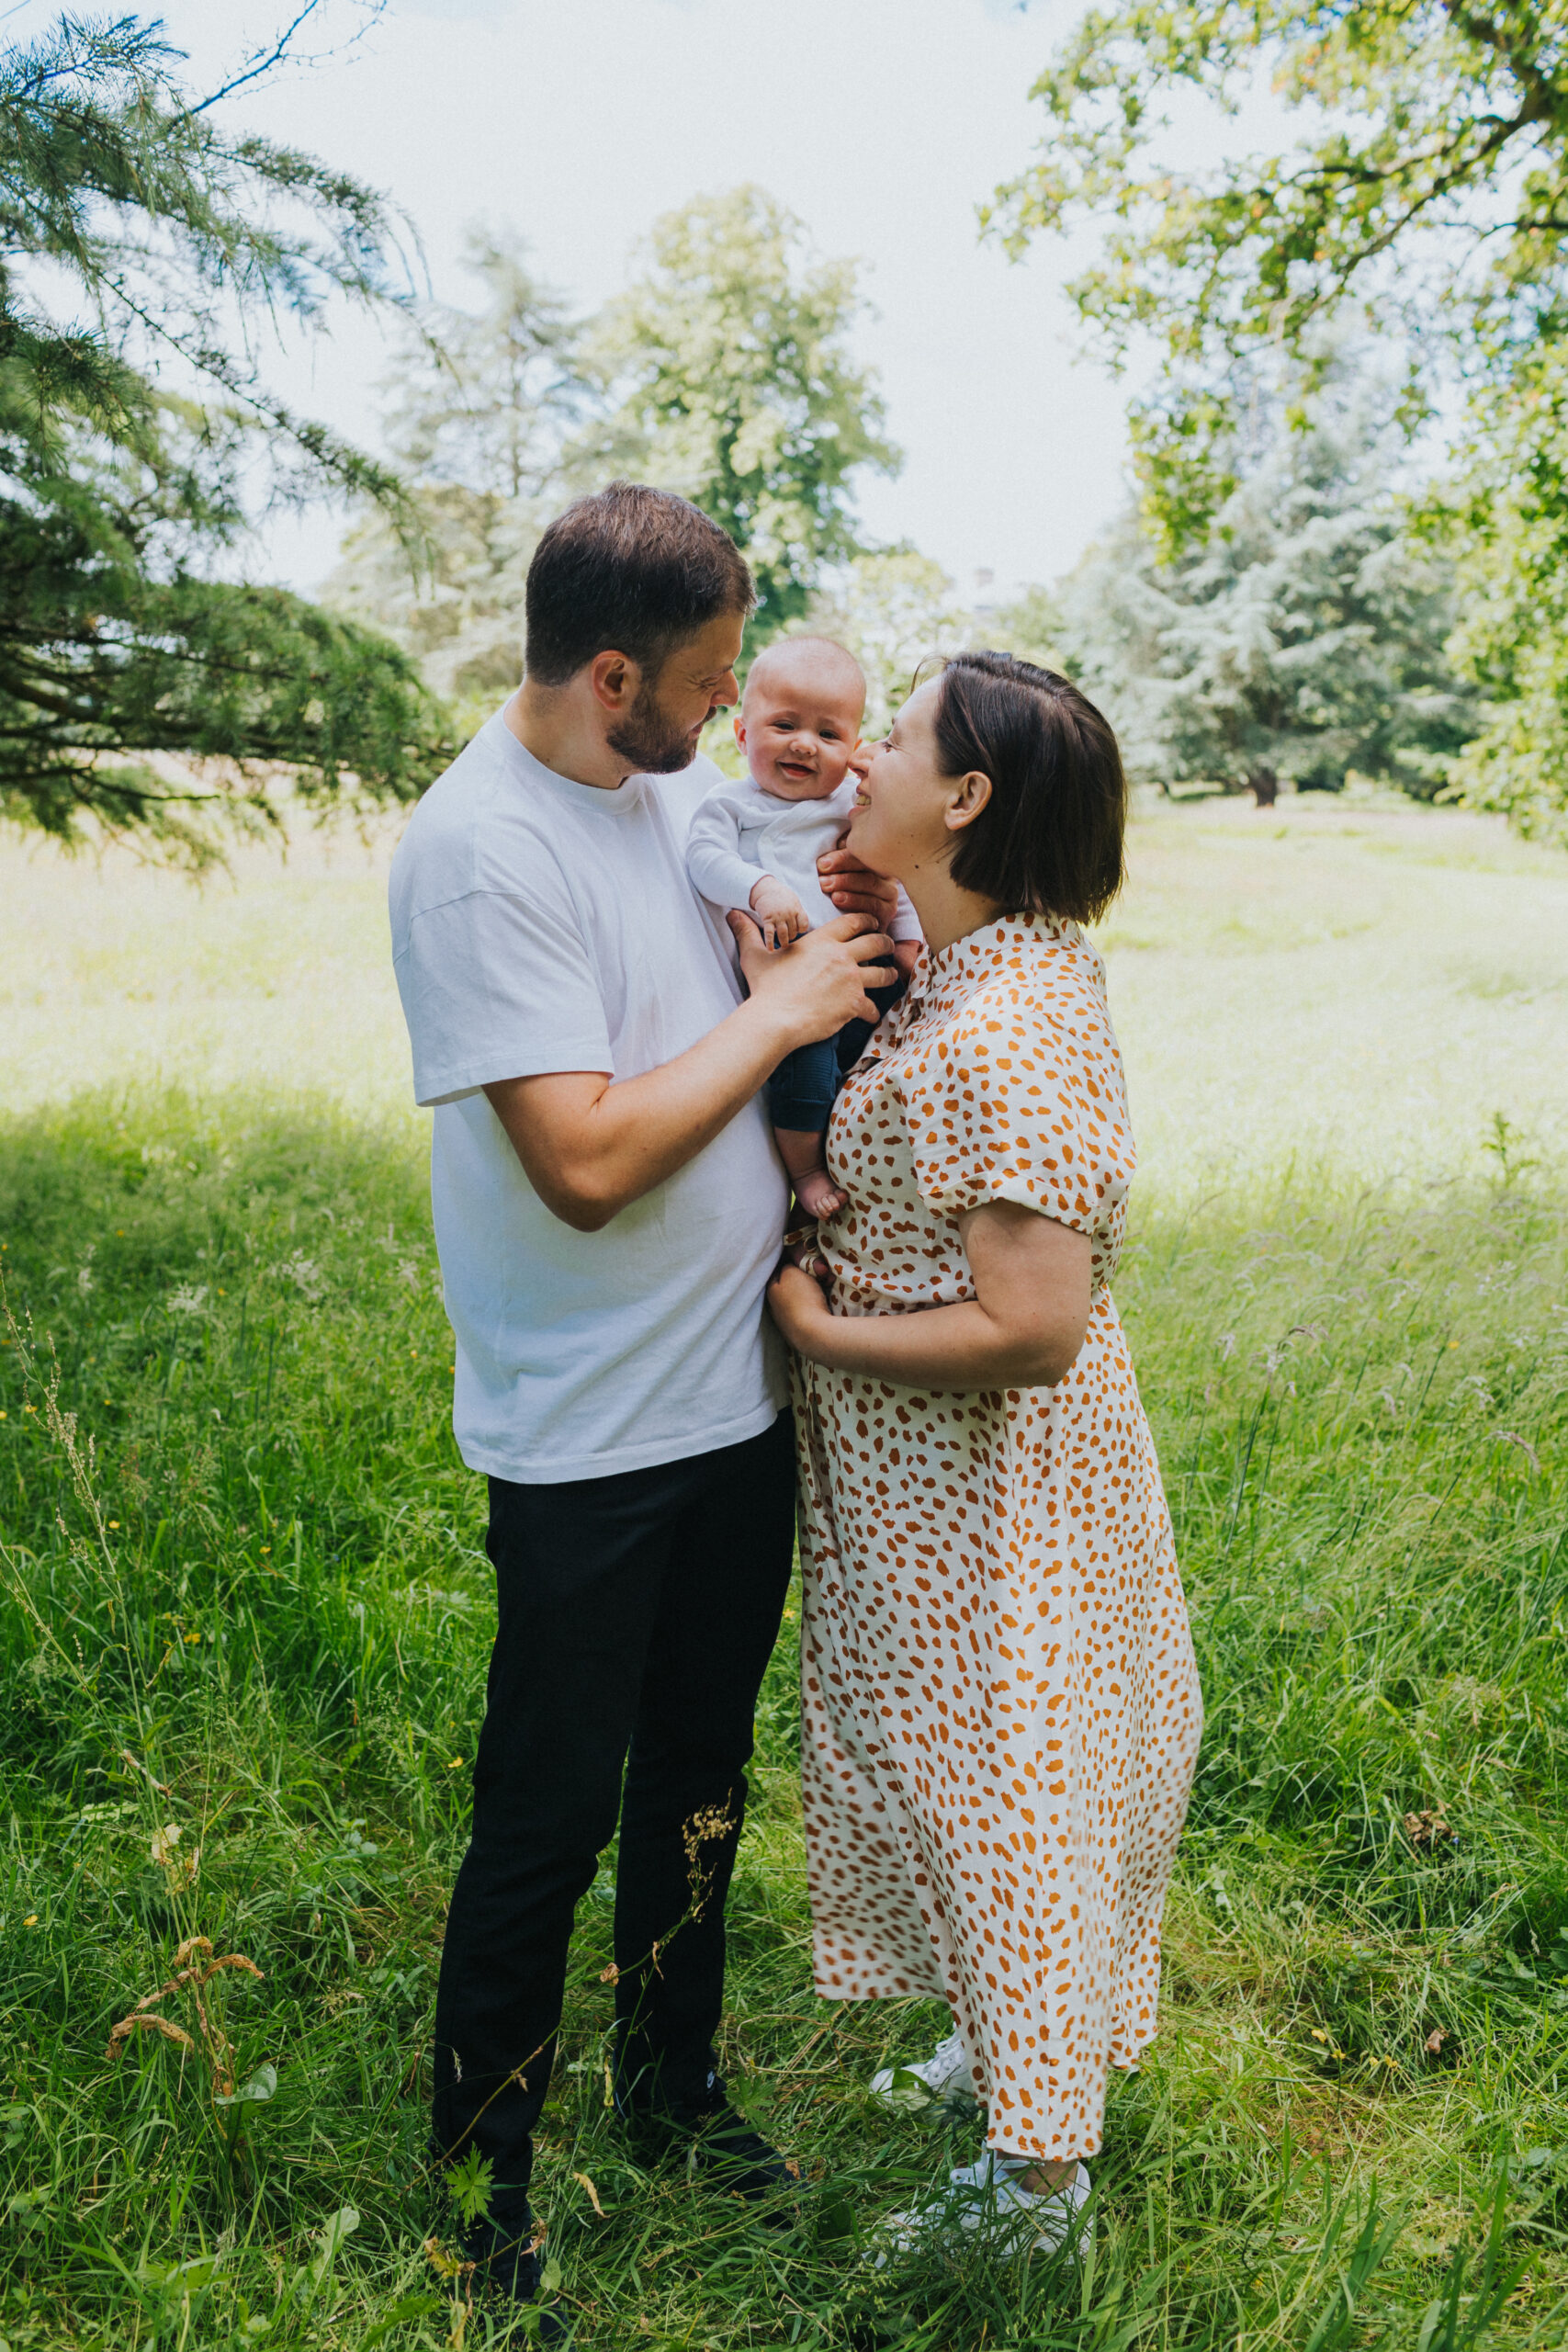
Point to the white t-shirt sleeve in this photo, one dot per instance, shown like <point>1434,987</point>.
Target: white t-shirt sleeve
<point>712,854</point>
<point>497,987</point>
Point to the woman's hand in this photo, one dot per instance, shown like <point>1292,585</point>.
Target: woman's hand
<point>797,1306</point>
<point>1022,1329</point>
<point>854,889</point>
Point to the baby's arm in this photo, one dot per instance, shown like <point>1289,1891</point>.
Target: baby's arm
<point>713,863</point>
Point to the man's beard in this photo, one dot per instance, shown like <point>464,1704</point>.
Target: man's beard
<point>652,742</point>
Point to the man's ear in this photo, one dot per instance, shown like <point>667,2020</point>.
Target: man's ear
<point>974,792</point>
<point>614,678</point>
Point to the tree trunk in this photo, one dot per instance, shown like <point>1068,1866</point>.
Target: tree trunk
<point>1265,786</point>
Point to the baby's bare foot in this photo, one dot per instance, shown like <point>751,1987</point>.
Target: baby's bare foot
<point>817,1194</point>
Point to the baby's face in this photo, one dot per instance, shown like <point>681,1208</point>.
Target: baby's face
<point>798,725</point>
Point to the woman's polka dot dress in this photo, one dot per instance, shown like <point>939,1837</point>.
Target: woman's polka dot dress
<point>1000,1703</point>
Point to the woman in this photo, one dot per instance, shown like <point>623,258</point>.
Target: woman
<point>1000,1705</point>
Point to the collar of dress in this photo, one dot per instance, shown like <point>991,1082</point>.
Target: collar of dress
<point>942,982</point>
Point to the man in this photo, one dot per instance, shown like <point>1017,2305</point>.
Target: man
<point>608,1207</point>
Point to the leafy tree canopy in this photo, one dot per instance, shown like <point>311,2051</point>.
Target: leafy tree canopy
<point>723,372</point>
<point>1429,186</point>
<point>729,376</point>
<point>1433,171</point>
<point>139,244</point>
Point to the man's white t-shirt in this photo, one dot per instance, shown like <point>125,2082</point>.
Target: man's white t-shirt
<point>539,924</point>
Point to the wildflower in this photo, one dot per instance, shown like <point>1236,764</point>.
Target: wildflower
<point>187,1298</point>
<point>114,1522</point>
<point>31,1919</point>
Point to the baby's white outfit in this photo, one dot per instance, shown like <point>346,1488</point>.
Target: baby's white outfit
<point>739,831</point>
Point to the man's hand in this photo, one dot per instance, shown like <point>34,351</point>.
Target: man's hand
<point>778,910</point>
<point>822,980</point>
<point>591,1145</point>
<point>854,889</point>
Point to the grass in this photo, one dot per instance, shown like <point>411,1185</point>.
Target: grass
<point>1334,982</point>
<point>244,1601</point>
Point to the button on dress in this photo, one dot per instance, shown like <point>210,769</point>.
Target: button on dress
<point>1000,1710</point>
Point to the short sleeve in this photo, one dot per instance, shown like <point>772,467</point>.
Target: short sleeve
<point>495,987</point>
<point>1023,1101</point>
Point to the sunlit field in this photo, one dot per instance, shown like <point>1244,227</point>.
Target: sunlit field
<point>1363,984</point>
<point>244,1623</point>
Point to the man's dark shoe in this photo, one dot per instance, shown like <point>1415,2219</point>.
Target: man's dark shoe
<point>721,2149</point>
<point>507,2271</point>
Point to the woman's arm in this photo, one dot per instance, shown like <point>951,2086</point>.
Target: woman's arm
<point>1022,1329</point>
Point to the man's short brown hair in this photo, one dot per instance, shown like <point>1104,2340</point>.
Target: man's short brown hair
<point>630,571</point>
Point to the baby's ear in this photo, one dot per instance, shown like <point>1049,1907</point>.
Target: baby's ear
<point>739,725</point>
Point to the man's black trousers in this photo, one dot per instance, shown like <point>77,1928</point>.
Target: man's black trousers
<point>637,1614</point>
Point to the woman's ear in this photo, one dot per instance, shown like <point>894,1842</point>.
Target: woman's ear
<point>973,792</point>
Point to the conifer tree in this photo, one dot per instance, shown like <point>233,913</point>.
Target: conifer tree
<point>142,248</point>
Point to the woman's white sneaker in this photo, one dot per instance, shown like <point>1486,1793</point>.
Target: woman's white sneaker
<point>943,2079</point>
<point>989,2196</point>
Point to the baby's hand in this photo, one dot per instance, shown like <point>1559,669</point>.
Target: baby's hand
<point>779,912</point>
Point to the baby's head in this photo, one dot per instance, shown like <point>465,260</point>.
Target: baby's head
<point>800,716</point>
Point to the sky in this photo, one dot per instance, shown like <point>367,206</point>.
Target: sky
<point>882,123</point>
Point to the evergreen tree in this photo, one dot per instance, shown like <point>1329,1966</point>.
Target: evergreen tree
<point>1302,639</point>
<point>137,241</point>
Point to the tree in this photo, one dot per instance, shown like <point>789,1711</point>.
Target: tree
<point>727,377</point>
<point>1431,188</point>
<point>122,197</point>
<point>1032,626</point>
<point>482,403</point>
<point>1302,639</point>
<point>893,608</point>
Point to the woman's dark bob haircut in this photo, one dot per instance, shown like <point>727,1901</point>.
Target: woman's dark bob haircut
<point>1049,840</point>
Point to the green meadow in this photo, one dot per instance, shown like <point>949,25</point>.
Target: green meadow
<point>244,1613</point>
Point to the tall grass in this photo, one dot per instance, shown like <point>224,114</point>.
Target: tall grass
<point>243,1626</point>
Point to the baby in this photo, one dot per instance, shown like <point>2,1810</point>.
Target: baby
<point>755,845</point>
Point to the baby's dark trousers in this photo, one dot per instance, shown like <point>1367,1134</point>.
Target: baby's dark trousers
<point>801,1091</point>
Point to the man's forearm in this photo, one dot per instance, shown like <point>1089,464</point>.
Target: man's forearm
<point>591,1145</point>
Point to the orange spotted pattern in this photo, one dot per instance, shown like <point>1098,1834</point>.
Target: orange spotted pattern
<point>999,1700</point>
